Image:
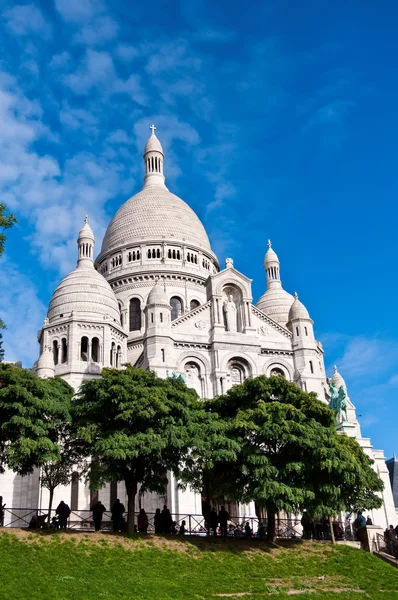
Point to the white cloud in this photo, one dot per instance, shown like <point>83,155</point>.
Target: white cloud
<point>126,53</point>
<point>22,312</point>
<point>78,11</point>
<point>26,19</point>
<point>96,70</point>
<point>60,61</point>
<point>101,31</point>
<point>76,118</point>
<point>368,357</point>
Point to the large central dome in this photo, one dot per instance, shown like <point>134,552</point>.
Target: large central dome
<point>154,214</point>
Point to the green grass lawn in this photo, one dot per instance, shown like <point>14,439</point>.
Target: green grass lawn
<point>102,566</point>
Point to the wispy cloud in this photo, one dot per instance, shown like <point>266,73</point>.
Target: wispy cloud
<point>27,19</point>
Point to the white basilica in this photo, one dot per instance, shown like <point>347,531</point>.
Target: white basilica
<point>156,297</point>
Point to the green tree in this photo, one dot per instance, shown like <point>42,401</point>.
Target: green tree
<point>59,472</point>
<point>32,412</point>
<point>1,346</point>
<point>7,220</point>
<point>290,455</point>
<point>137,427</point>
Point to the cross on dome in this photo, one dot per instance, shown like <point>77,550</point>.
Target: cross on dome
<point>86,220</point>
<point>153,129</point>
<point>269,244</point>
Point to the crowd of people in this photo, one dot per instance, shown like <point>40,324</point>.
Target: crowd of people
<point>391,540</point>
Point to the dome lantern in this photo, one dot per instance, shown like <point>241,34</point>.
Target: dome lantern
<point>85,243</point>
<point>275,302</point>
<point>153,159</point>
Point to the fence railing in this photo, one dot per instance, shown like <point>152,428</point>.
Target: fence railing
<point>82,520</point>
<point>383,544</point>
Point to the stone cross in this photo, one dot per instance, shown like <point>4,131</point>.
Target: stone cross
<point>153,129</point>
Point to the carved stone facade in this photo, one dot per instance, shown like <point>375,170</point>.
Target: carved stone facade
<point>158,300</point>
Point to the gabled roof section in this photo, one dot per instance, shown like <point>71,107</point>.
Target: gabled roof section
<point>258,313</point>
<point>191,314</point>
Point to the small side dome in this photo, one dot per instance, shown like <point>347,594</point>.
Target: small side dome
<point>157,295</point>
<point>298,310</point>
<point>338,379</point>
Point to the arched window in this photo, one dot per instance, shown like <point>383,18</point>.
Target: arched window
<point>194,304</point>
<point>158,253</point>
<point>149,254</point>
<point>135,314</point>
<point>64,351</point>
<point>74,491</point>
<point>111,354</point>
<point>118,357</point>
<point>84,348</point>
<point>95,349</point>
<point>55,352</point>
<point>311,366</point>
<point>237,374</point>
<point>169,253</point>
<point>277,372</point>
<point>193,377</point>
<point>176,308</point>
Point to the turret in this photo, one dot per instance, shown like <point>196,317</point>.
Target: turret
<point>159,344</point>
<point>45,367</point>
<point>308,355</point>
<point>85,243</point>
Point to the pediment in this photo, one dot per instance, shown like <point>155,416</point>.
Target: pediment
<point>197,321</point>
<point>266,327</point>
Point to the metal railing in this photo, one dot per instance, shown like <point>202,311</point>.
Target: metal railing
<point>82,520</point>
<point>383,544</point>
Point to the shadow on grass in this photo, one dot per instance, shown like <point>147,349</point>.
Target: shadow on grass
<point>163,542</point>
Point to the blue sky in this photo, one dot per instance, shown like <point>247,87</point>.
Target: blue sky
<point>278,122</point>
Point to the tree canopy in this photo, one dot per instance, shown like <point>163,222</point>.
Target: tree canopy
<point>137,427</point>
<point>290,455</point>
<point>7,220</point>
<point>32,413</point>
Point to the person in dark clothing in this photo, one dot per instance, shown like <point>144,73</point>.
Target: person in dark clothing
<point>167,521</point>
<point>117,515</point>
<point>98,510</point>
<point>157,521</point>
<point>213,520</point>
<point>142,521</point>
<point>183,529</point>
<point>63,511</point>
<point>223,517</point>
<point>2,507</point>
<point>248,530</point>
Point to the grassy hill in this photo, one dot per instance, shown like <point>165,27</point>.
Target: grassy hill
<point>103,566</point>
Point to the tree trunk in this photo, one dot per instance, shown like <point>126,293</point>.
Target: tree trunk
<point>331,530</point>
<point>271,527</point>
<point>131,489</point>
<point>50,504</point>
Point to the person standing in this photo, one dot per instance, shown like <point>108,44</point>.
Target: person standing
<point>2,507</point>
<point>223,517</point>
<point>166,520</point>
<point>63,511</point>
<point>142,521</point>
<point>213,520</point>
<point>117,515</point>
<point>98,510</point>
<point>158,521</point>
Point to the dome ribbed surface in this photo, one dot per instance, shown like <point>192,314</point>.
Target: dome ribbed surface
<point>154,214</point>
<point>276,304</point>
<point>338,379</point>
<point>157,295</point>
<point>270,257</point>
<point>84,291</point>
<point>298,311</point>
<point>153,145</point>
